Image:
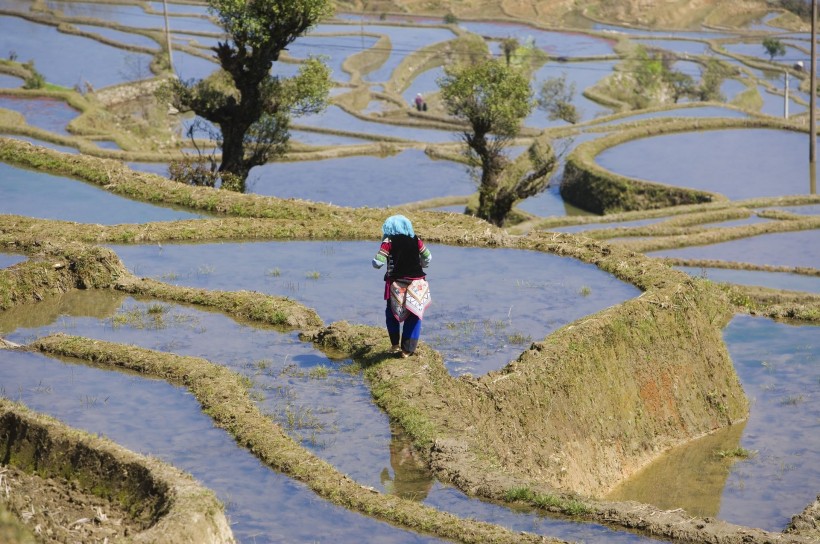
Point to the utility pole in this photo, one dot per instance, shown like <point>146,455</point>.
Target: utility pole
<point>813,88</point>
<point>167,36</point>
<point>786,96</point>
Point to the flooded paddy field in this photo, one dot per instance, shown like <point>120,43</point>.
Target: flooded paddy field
<point>524,295</point>
<point>778,365</point>
<point>491,305</point>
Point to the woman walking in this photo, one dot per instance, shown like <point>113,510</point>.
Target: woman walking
<point>405,287</point>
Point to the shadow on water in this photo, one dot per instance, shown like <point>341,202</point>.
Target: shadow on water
<point>779,368</point>
<point>488,304</point>
<point>35,194</point>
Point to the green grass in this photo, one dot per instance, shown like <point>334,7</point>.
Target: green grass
<point>736,453</point>
<point>571,507</point>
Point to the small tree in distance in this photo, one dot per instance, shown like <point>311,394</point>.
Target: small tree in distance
<point>774,47</point>
<point>492,99</point>
<point>555,97</point>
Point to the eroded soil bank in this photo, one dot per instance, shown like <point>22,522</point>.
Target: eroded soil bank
<point>69,486</point>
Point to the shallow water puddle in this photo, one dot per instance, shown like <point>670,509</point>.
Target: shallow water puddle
<point>9,259</point>
<point>488,304</point>
<point>360,180</point>
<point>319,402</point>
<point>36,194</point>
<point>779,367</point>
<point>717,161</point>
<point>777,249</point>
<point>153,417</point>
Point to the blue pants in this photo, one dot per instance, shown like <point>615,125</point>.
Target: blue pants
<point>409,334</point>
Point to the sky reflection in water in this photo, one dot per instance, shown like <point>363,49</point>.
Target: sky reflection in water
<point>488,304</point>
<point>348,429</point>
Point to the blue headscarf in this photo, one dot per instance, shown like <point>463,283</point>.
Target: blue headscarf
<point>397,224</point>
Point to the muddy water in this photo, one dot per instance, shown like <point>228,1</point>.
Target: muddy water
<point>46,113</point>
<point>34,194</point>
<point>152,417</point>
<point>66,59</point>
<point>329,412</point>
<point>777,249</point>
<point>736,163</point>
<point>773,280</point>
<point>523,295</point>
<point>364,180</point>
<point>779,367</point>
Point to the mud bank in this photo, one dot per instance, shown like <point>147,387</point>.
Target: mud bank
<point>145,500</point>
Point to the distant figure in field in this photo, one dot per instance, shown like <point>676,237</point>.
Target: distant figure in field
<point>405,287</point>
<point>421,104</point>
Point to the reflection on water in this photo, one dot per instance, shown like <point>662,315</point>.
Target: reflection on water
<point>410,477</point>
<point>316,400</point>
<point>155,418</point>
<point>35,194</point>
<point>779,367</point>
<point>691,477</point>
<point>737,163</point>
<point>488,304</point>
<point>93,303</point>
